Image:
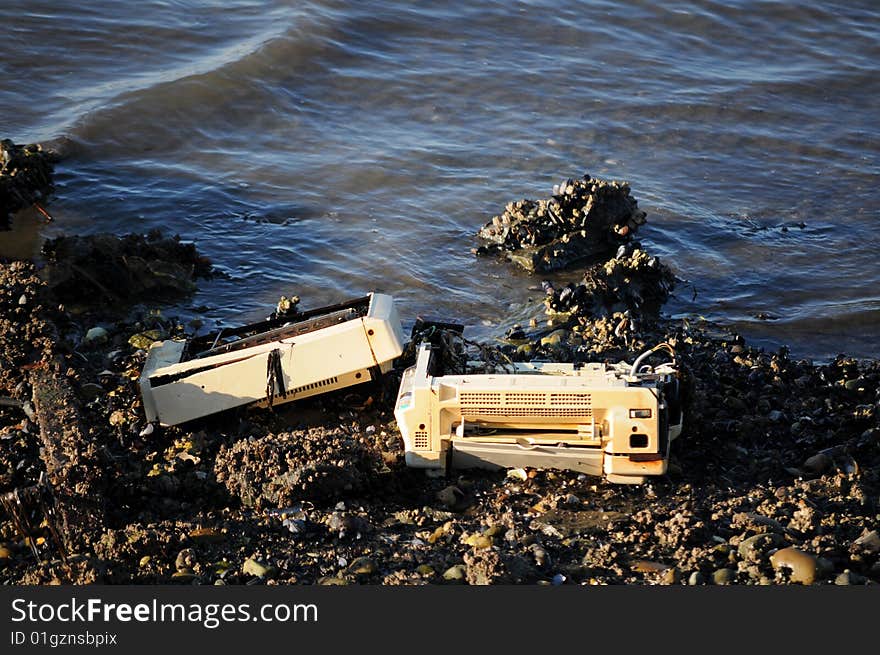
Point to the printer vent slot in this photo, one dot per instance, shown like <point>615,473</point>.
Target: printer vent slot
<point>316,385</point>
<point>548,412</point>
<point>579,399</point>
<point>525,398</point>
<point>471,398</point>
<point>420,441</point>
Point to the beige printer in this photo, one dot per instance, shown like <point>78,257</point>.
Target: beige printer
<point>611,420</point>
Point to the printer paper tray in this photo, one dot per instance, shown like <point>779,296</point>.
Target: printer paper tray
<point>470,454</point>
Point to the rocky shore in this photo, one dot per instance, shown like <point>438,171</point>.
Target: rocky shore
<point>775,479</point>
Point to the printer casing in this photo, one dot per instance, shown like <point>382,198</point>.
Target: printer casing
<point>595,418</point>
<point>322,350</point>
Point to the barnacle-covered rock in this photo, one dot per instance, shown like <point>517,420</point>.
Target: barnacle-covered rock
<point>278,470</point>
<point>583,219</point>
<point>125,270</point>
<point>25,177</point>
<point>633,281</point>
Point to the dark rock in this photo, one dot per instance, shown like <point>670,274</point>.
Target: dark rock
<point>25,177</point>
<point>102,268</point>
<point>584,219</point>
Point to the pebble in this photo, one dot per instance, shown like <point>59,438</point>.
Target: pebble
<point>869,437</point>
<point>754,548</point>
<point>23,300</point>
<point>541,556</point>
<point>362,566</point>
<point>5,553</point>
<point>853,385</point>
<point>143,340</point>
<point>28,410</point>
<point>257,568</point>
<point>494,530</point>
<point>801,565</point>
<point>571,501</point>
<point>186,559</point>
<point>671,576</point>
<point>696,578</point>
<point>450,496</point>
<point>817,464</point>
<point>144,561</point>
<point>723,576</point>
<point>646,566</point>
<point>554,338</point>
<point>295,526</point>
<point>425,569</point>
<point>848,578</point>
<point>736,404</point>
<point>96,335</point>
<point>456,572</point>
<point>331,581</point>
<point>869,541</point>
<point>479,541</point>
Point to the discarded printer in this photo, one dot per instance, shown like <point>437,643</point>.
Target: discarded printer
<point>612,420</point>
<point>273,361</point>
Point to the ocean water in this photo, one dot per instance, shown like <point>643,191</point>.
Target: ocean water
<point>331,148</point>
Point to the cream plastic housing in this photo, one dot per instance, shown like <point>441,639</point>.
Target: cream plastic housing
<point>595,418</point>
<point>295,361</point>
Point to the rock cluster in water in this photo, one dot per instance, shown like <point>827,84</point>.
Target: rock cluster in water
<point>632,281</point>
<point>25,177</point>
<point>613,311</point>
<point>583,218</point>
<point>128,269</point>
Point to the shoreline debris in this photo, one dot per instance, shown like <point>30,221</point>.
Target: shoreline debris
<point>543,415</point>
<point>273,361</point>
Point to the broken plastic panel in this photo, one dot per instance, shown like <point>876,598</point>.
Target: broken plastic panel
<point>273,361</point>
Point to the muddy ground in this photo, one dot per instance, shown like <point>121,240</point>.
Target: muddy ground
<point>775,479</point>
